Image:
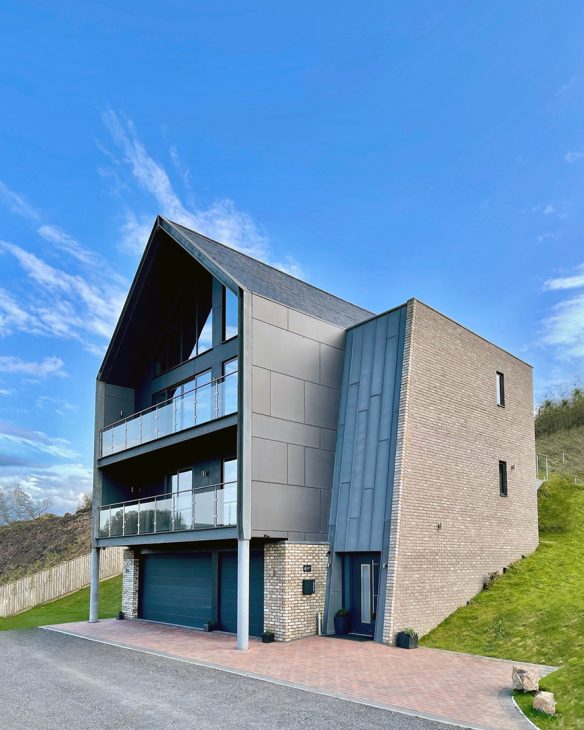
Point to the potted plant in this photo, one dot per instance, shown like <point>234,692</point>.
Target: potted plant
<point>407,639</point>
<point>342,621</point>
<point>268,637</point>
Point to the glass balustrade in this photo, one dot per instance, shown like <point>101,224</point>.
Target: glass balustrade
<point>200,405</point>
<point>192,509</point>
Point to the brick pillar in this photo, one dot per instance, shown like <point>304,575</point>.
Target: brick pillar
<point>287,612</point>
<point>130,582</point>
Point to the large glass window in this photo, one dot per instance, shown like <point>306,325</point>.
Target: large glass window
<point>191,331</point>
<point>228,399</point>
<point>182,490</point>
<point>228,510</point>
<point>230,314</point>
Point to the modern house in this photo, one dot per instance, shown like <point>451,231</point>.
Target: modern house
<point>267,452</point>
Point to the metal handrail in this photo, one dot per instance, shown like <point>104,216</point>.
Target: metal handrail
<point>166,402</point>
<point>167,494</point>
<point>174,514</point>
<point>118,431</point>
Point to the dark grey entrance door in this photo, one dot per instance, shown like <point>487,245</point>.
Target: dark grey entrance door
<point>364,579</point>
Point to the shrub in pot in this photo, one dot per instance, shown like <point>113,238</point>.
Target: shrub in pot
<point>407,639</point>
<point>342,621</point>
<point>268,637</point>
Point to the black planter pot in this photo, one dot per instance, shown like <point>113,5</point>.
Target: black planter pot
<point>342,624</point>
<point>406,641</point>
<point>267,638</point>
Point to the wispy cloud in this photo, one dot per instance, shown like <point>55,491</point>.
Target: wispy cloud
<point>573,156</point>
<point>68,244</point>
<point>61,304</point>
<point>44,466</point>
<point>17,203</point>
<point>574,281</point>
<point>222,220</point>
<point>563,328</point>
<point>49,366</point>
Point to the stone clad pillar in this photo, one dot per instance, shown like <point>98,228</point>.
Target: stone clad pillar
<point>130,582</point>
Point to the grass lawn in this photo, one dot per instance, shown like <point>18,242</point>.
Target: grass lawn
<point>71,608</point>
<point>535,612</point>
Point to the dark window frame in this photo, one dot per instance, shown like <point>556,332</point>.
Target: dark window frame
<point>500,379</point>
<point>503,479</point>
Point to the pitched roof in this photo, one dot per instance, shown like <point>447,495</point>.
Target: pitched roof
<point>266,281</point>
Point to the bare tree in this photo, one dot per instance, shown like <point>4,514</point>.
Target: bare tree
<point>17,505</point>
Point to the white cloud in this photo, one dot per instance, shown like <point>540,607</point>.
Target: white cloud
<point>62,304</point>
<point>17,203</point>
<point>62,484</point>
<point>49,366</point>
<point>563,329</point>
<point>567,282</point>
<point>182,169</point>
<point>135,232</point>
<point>571,157</point>
<point>221,221</point>
<point>5,391</point>
<point>13,317</point>
<point>549,236</point>
<point>68,244</point>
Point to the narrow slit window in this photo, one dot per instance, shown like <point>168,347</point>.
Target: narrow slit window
<point>500,389</point>
<point>503,478</point>
<point>231,314</point>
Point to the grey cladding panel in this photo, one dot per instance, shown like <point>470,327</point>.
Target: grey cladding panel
<point>365,452</point>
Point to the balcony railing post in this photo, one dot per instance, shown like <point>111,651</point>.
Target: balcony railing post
<point>217,398</point>
<point>157,419</point>
<point>141,429</point>
<point>155,511</point>
<point>138,518</point>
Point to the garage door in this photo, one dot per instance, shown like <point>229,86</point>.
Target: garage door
<point>228,592</point>
<point>177,588</point>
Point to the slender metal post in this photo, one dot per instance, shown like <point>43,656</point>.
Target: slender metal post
<point>94,586</point>
<point>242,594</point>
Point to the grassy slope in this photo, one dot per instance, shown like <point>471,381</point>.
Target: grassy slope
<point>33,545</point>
<point>535,612</point>
<point>571,443</point>
<point>71,608</point>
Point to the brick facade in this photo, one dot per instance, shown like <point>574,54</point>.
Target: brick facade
<point>450,526</point>
<point>287,612</point>
<point>130,583</point>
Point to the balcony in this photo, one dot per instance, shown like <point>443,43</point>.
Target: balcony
<point>199,405</point>
<point>191,509</point>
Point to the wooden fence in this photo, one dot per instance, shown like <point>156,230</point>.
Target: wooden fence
<point>56,582</point>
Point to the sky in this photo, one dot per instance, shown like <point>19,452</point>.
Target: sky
<point>379,150</point>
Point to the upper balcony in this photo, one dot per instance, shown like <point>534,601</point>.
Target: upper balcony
<point>191,408</point>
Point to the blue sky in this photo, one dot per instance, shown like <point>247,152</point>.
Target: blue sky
<point>381,151</point>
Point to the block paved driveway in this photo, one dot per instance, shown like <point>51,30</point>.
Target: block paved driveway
<point>467,690</point>
<point>53,681</point>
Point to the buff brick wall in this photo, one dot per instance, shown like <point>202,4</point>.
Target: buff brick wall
<point>288,613</point>
<point>450,526</point>
<point>130,582</point>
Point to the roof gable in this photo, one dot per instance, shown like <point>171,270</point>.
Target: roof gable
<point>267,281</point>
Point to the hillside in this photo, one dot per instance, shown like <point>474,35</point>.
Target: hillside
<point>33,545</point>
<point>535,612</point>
<point>565,451</point>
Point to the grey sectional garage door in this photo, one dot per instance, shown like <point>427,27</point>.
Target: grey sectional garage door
<point>177,588</point>
<point>228,592</point>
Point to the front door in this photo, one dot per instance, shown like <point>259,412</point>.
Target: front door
<point>364,592</point>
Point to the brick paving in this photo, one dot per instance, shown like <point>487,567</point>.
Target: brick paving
<point>459,688</point>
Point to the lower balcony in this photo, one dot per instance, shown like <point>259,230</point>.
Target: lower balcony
<point>201,508</point>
